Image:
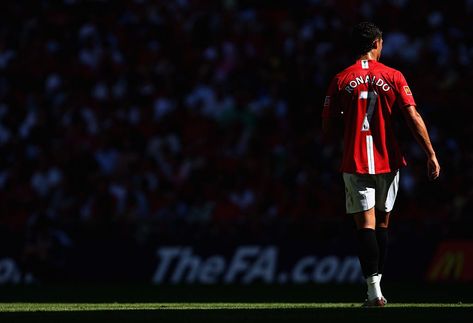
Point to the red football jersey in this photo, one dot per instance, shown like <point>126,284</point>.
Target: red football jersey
<point>366,93</point>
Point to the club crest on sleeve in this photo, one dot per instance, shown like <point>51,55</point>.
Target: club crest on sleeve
<point>407,90</point>
<point>327,101</point>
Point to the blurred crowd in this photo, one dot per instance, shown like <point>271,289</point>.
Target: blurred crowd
<point>160,114</point>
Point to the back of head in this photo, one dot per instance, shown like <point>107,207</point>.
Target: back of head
<point>363,36</point>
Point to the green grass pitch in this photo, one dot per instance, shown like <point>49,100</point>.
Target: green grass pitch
<point>233,312</point>
<point>66,307</point>
<point>443,303</point>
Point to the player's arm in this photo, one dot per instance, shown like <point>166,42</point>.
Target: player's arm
<point>419,130</point>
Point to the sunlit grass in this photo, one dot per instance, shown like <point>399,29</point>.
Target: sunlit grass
<point>66,307</point>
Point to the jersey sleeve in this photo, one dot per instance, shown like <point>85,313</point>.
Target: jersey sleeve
<point>331,103</point>
<point>405,97</point>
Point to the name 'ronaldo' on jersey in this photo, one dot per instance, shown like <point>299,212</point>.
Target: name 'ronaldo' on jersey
<point>365,93</point>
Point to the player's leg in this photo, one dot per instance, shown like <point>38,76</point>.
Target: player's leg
<point>387,186</point>
<point>369,255</point>
<point>368,249</point>
<point>382,224</point>
<point>360,202</point>
<point>368,246</point>
<point>386,191</point>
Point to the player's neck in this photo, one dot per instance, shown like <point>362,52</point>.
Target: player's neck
<point>372,55</point>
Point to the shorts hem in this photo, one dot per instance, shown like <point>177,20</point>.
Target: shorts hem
<point>352,211</point>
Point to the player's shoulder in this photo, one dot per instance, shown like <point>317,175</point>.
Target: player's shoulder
<point>387,69</point>
<point>350,69</point>
<point>347,72</point>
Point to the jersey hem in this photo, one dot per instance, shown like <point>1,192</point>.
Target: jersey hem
<point>379,172</point>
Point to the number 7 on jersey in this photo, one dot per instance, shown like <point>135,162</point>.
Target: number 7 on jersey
<point>372,97</point>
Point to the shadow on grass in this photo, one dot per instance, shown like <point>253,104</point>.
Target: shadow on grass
<point>309,293</point>
<point>385,315</point>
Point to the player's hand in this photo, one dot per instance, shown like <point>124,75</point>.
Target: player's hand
<point>433,168</point>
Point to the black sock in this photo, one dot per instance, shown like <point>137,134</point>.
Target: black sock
<point>368,251</point>
<point>382,238</point>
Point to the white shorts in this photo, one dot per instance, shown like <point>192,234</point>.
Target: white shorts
<point>365,191</point>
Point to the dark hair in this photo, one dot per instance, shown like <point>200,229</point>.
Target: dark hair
<point>363,37</point>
